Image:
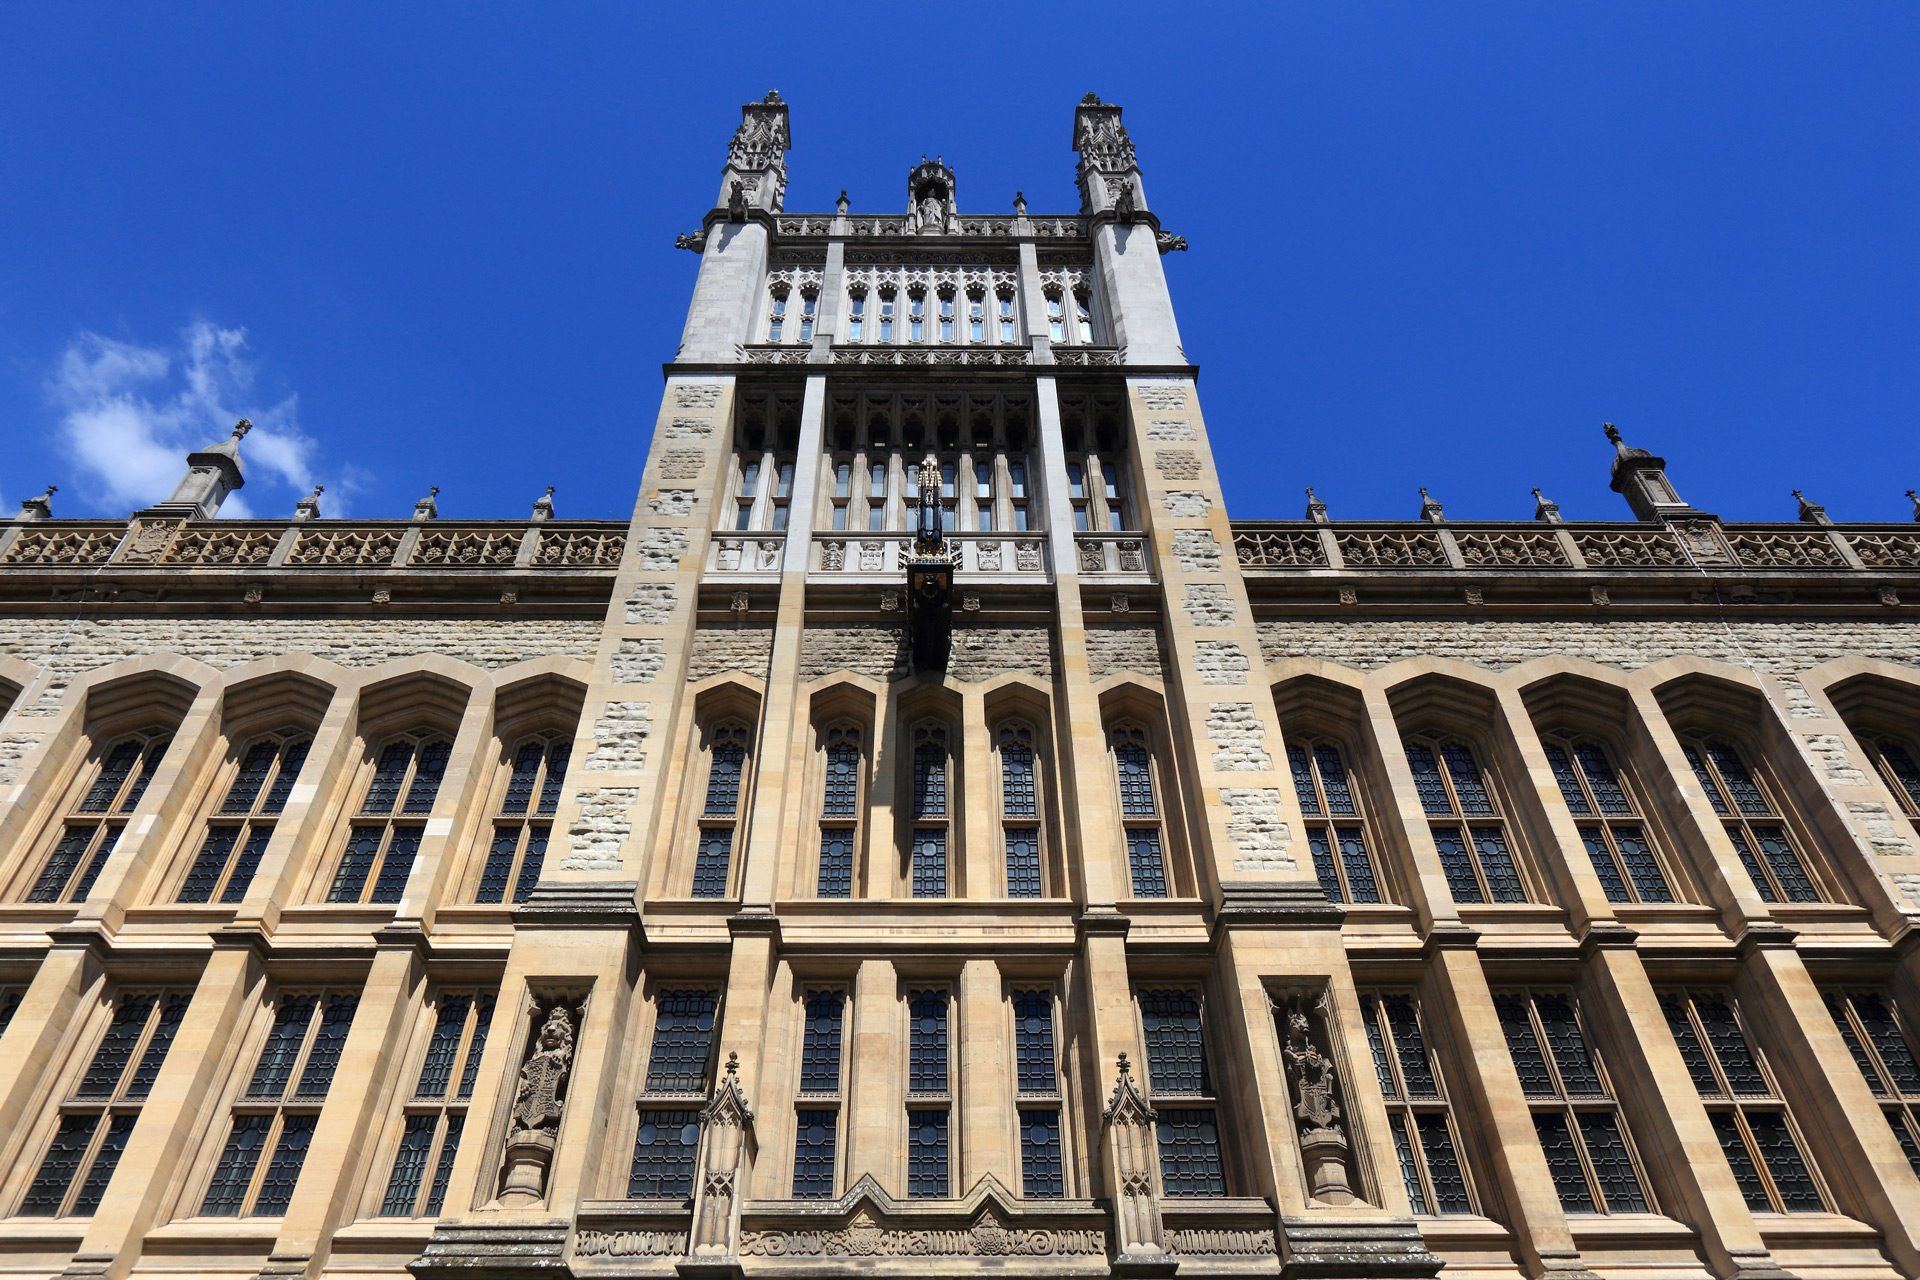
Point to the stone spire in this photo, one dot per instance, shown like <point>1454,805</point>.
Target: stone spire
<point>212,474</point>
<point>1641,478</point>
<point>757,160</point>
<point>308,508</point>
<point>40,508</point>
<point>543,507</point>
<point>1545,508</point>
<point>1109,171</point>
<point>1811,512</point>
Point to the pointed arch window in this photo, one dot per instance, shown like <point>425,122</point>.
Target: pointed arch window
<point>117,779</point>
<point>385,834</point>
<point>777,319</point>
<point>1140,811</point>
<point>240,828</point>
<point>1752,821</point>
<point>976,316</point>
<point>1883,1049</point>
<point>1899,763</point>
<point>1336,832</point>
<point>1617,840</point>
<point>1020,811</point>
<point>1469,830</point>
<point>841,810</point>
<point>929,807</point>
<point>720,815</point>
<point>436,1115</point>
<point>1005,304</point>
<point>524,823</point>
<point>1418,1112</point>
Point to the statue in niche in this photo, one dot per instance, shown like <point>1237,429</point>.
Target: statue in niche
<point>1316,1111</point>
<point>537,1107</point>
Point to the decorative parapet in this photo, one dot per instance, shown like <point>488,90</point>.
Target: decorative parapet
<point>874,227</point>
<point>1005,554</point>
<point>147,544</point>
<point>1279,549</point>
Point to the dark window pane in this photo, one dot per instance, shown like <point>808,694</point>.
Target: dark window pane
<point>387,777</point>
<point>1706,780</point>
<point>499,868</point>
<point>1691,1052</point>
<point>113,775</point>
<point>283,1171</point>
<point>1302,768</point>
<point>66,855</point>
<point>272,1073</point>
<point>1729,1045</point>
<point>557,757</point>
<point>158,1043</point>
<point>396,866</point>
<point>1377,1042</point>
<point>711,863</point>
<point>820,1050</point>
<point>1603,868</point>
<point>530,865</point>
<point>1465,772</point>
<point>1761,884</point>
<point>1563,774</point>
<point>1778,851</point>
<point>1745,1175</point>
<point>1144,863</point>
<point>1359,868</point>
<point>1563,1161</point>
<point>1607,792</point>
<point>1409,1169</point>
<point>477,1043</point>
<point>427,776</point>
<point>1612,1167</point>
<point>1578,1075</point>
<point>1904,1135</point>
<point>1190,1153</point>
<point>226,1194</point>
<point>292,760</point>
<point>409,1167</point>
<point>1905,772</point>
<point>9,1005</point>
<point>1798,1194</point>
<point>241,877</point>
<point>149,764</point>
<point>927,1154</point>
<point>58,1166</point>
<point>1887,1041</point>
<point>128,1024</point>
<point>929,864</point>
<point>324,1057</point>
<point>1837,1007</point>
<point>1415,1068</point>
<point>927,1042</point>
<point>1524,1046</point>
<point>1023,862</point>
<point>836,863</point>
<point>813,1154</point>
<point>1176,1052</point>
<point>843,780</point>
<point>105,1161</point>
<point>90,872</point>
<point>526,771</point>
<point>1136,780</point>
<point>663,1154</point>
<point>449,1024</point>
<point>682,1039</point>
<point>1443,1166</point>
<point>723,779</point>
<point>1323,868</point>
<point>1041,1174</point>
<point>1333,780</point>
<point>1016,781</point>
<point>254,768</point>
<point>356,864</point>
<point>1746,792</point>
<point>1642,867</point>
<point>1457,865</point>
<point>930,780</point>
<point>1503,881</point>
<point>1033,1041</point>
<point>1426,778</point>
<point>443,1168</point>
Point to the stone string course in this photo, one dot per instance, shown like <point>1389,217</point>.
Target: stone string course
<point>729,647</point>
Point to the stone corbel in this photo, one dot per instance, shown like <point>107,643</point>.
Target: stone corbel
<point>713,1245</point>
<point>1138,1228</point>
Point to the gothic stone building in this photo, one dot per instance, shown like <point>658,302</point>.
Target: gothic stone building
<point>930,838</point>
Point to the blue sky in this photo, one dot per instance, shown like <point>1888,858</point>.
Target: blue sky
<point>1431,244</point>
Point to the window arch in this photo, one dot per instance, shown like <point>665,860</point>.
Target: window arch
<point>387,827</point>
<point>1469,829</point>
<point>1020,810</point>
<point>116,778</point>
<point>1140,813</point>
<point>239,829</point>
<point>929,808</point>
<point>841,810</point>
<point>1753,821</point>
<point>536,771</point>
<point>1612,828</point>
<point>1336,831</point>
<point>777,315</point>
<point>726,764</point>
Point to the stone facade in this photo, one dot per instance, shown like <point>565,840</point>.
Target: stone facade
<point>706,896</point>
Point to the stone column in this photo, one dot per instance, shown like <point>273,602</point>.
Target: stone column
<point>876,1098</point>
<point>986,1103</point>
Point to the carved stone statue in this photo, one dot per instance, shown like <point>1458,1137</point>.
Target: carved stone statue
<point>1316,1109</point>
<point>737,202</point>
<point>537,1106</point>
<point>726,1120</point>
<point>1124,211</point>
<point>1131,1145</point>
<point>929,538</point>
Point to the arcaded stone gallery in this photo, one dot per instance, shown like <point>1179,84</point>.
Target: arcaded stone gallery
<point>930,838</point>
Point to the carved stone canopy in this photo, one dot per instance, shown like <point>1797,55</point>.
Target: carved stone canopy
<point>1127,1105</point>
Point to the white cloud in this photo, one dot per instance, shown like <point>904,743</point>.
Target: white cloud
<point>130,414</point>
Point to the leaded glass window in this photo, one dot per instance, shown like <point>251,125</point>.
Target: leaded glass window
<point>1880,1045</point>
<point>1033,1042</point>
<point>1336,835</point>
<point>1140,812</point>
<point>1469,830</point>
<point>682,1041</point>
<point>821,1042</point>
<point>1042,1171</point>
<point>120,775</point>
<point>274,1117</point>
<point>929,804</point>
<point>384,836</point>
<point>1899,761</point>
<point>537,770</point>
<point>665,1145</point>
<point>1181,1091</point>
<point>816,1137</point>
<point>1753,823</point>
<point>434,1118</point>
<point>1750,1118</point>
<point>1617,841</point>
<point>841,812</point>
<point>236,837</point>
<point>1418,1111</point>
<point>720,815</point>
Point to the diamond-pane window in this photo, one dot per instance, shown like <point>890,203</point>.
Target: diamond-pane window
<point>682,1042</point>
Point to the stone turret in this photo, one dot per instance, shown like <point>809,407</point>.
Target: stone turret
<point>1127,243</point>
<point>1641,478</point>
<point>212,474</point>
<point>732,240</point>
<point>757,158</point>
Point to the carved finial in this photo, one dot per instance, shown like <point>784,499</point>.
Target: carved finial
<point>733,1064</point>
<point>543,506</point>
<point>1613,432</point>
<point>772,99</point>
<point>241,428</point>
<point>1316,509</point>
<point>1545,508</point>
<point>1811,512</point>
<point>40,508</point>
<point>840,205</point>
<point>1019,204</point>
<point>1091,100</point>
<point>53,489</point>
<point>1126,1068</point>
<point>1430,510</point>
<point>308,508</point>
